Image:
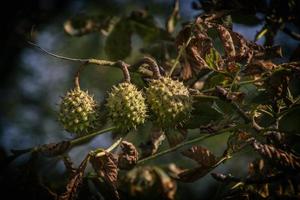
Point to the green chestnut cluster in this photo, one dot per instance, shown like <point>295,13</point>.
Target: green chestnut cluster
<point>78,112</point>
<point>126,106</point>
<point>169,101</point>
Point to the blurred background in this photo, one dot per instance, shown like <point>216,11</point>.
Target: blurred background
<point>32,82</point>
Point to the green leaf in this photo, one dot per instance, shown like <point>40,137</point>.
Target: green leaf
<point>212,59</point>
<point>118,42</point>
<point>147,29</point>
<point>214,80</point>
<point>290,121</point>
<point>202,114</point>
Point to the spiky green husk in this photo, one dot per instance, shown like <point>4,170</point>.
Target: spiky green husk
<point>78,112</point>
<point>169,101</point>
<point>126,106</point>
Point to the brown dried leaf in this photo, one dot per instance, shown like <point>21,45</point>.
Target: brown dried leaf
<point>227,41</point>
<point>74,182</point>
<point>282,159</point>
<point>144,182</point>
<point>129,157</point>
<point>69,165</point>
<point>106,168</point>
<point>175,137</point>
<point>295,66</point>
<point>201,155</point>
<point>243,51</point>
<point>151,146</point>
<point>224,94</point>
<point>199,46</point>
<point>54,149</point>
<point>191,175</point>
<point>173,18</point>
<point>237,141</point>
<point>82,25</point>
<point>168,185</point>
<point>257,67</point>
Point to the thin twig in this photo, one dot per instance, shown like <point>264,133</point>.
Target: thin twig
<point>182,49</point>
<point>82,139</point>
<point>291,33</point>
<point>228,85</point>
<point>101,152</point>
<point>77,75</point>
<point>133,68</point>
<point>249,180</point>
<point>86,60</point>
<point>196,140</point>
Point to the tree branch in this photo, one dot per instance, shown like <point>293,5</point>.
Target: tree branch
<point>193,141</point>
<point>249,180</point>
<point>61,147</point>
<point>133,68</point>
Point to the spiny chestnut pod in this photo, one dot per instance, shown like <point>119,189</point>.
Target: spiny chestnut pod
<point>78,112</point>
<point>169,100</point>
<point>126,106</point>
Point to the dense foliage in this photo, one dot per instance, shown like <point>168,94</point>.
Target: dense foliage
<point>195,81</point>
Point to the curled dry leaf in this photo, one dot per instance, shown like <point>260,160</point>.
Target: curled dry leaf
<point>237,141</point>
<point>227,41</point>
<point>82,25</point>
<point>54,149</point>
<point>129,156</point>
<point>243,51</point>
<point>173,18</point>
<point>151,146</point>
<point>277,84</point>
<point>224,94</point>
<point>203,157</point>
<point>167,184</point>
<point>142,181</point>
<point>199,46</point>
<point>69,164</point>
<point>74,182</point>
<point>282,159</point>
<point>106,168</point>
<point>257,67</point>
<point>175,137</point>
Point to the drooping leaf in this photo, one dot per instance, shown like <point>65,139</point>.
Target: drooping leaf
<point>227,41</point>
<point>74,182</point>
<point>237,141</point>
<point>199,46</point>
<point>173,18</point>
<point>168,185</point>
<point>54,149</point>
<point>282,159</point>
<point>157,136</point>
<point>147,182</point>
<point>205,159</point>
<point>289,122</point>
<point>175,137</point>
<point>84,24</point>
<point>201,155</point>
<point>213,59</point>
<point>202,114</point>
<point>106,168</point>
<point>129,156</point>
<point>258,67</point>
<point>69,165</point>
<point>118,42</point>
<point>277,84</point>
